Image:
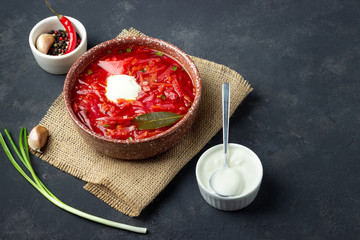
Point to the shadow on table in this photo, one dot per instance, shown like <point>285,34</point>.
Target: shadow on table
<point>269,198</point>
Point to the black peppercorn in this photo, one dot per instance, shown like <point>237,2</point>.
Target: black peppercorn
<point>61,42</point>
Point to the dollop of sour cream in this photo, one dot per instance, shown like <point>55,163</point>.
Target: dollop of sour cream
<point>122,87</point>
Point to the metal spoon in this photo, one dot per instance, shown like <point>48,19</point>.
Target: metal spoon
<point>225,181</point>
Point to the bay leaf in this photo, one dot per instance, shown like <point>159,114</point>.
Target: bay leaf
<point>156,120</point>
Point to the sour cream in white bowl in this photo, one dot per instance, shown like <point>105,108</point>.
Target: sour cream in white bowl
<point>242,160</point>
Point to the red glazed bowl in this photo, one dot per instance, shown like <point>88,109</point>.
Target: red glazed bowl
<point>134,149</point>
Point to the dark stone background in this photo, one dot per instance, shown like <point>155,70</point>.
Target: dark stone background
<point>302,119</point>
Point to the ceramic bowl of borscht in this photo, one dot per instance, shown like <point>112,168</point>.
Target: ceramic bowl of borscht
<point>133,97</point>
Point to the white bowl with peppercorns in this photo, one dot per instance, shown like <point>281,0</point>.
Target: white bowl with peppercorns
<point>49,41</point>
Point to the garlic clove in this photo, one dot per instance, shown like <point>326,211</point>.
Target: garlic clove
<point>37,138</point>
<point>44,42</point>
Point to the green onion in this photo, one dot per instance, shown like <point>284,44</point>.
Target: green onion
<point>159,53</point>
<point>163,97</point>
<point>108,52</point>
<point>143,70</point>
<point>90,72</point>
<point>128,50</point>
<point>106,125</point>
<point>24,157</point>
<point>174,68</point>
<point>120,51</point>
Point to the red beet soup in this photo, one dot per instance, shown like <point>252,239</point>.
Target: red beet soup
<point>160,84</point>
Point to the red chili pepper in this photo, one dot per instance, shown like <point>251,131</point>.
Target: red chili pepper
<point>69,27</point>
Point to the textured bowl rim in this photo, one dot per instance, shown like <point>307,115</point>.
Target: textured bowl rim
<point>237,197</point>
<point>192,110</point>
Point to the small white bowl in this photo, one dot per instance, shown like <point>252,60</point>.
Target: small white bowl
<point>57,64</point>
<point>241,158</point>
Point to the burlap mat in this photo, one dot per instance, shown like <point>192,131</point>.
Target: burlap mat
<point>129,186</point>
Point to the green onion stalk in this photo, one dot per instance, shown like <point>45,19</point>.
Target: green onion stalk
<point>24,156</point>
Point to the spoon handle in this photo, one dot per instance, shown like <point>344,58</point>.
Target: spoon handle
<point>225,108</point>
